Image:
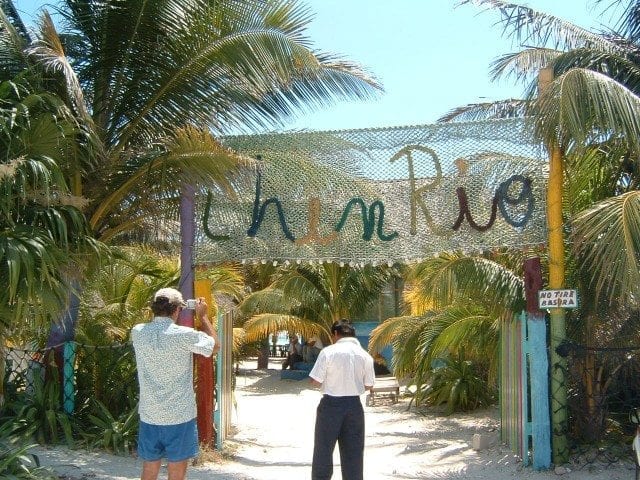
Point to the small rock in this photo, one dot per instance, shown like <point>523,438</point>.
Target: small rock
<point>560,470</point>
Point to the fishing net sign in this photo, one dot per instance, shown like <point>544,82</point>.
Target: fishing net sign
<point>378,196</point>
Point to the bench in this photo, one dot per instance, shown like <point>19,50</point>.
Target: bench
<point>387,386</point>
<point>300,371</point>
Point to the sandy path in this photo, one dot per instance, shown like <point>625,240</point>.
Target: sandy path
<point>273,440</point>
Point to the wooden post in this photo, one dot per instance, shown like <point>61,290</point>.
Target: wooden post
<point>204,379</point>
<point>556,281</point>
<point>538,366</point>
<point>190,289</point>
<point>187,240</point>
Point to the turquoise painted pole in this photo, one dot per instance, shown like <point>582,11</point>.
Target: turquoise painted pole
<point>68,383</point>
<point>538,367</point>
<point>217,417</point>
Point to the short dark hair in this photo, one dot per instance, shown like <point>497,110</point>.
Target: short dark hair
<point>343,328</point>
<point>162,306</point>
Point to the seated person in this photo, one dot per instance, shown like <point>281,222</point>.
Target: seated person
<point>380,365</point>
<point>311,349</point>
<point>294,354</point>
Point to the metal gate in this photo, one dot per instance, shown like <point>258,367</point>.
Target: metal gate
<point>224,378</point>
<point>514,387</point>
<point>524,399</point>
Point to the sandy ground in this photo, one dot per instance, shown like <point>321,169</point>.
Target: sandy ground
<point>273,439</point>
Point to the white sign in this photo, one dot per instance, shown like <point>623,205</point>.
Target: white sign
<point>558,299</point>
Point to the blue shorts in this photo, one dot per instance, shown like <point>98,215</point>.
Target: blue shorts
<point>173,442</point>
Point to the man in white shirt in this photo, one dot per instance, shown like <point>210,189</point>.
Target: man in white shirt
<point>344,371</point>
<point>164,358</point>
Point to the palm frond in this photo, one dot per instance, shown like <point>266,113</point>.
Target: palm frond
<point>270,300</point>
<point>449,277</point>
<point>254,78</point>
<point>392,328</point>
<point>49,53</point>
<point>469,328</point>
<point>598,172</point>
<point>13,40</point>
<point>523,66</point>
<point>530,27</point>
<point>608,238</point>
<point>261,326</point>
<point>582,106</point>
<point>510,108</point>
<point>629,18</point>
<point>192,155</point>
<point>227,280</point>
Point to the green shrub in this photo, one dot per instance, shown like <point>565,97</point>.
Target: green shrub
<point>117,434</point>
<point>42,413</point>
<point>15,462</point>
<point>456,383</point>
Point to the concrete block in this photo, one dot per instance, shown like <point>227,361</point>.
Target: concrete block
<point>482,441</point>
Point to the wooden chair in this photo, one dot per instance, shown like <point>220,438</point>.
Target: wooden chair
<point>384,386</point>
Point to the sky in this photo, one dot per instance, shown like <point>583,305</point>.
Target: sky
<point>429,55</point>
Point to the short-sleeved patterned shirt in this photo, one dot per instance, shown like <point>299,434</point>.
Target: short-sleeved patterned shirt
<point>164,357</point>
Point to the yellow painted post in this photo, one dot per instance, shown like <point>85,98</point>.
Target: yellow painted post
<point>556,281</point>
<point>204,377</point>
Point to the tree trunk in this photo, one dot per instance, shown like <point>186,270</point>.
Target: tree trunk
<point>263,355</point>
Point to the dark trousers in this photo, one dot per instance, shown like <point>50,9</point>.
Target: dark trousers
<point>338,419</point>
<point>291,360</point>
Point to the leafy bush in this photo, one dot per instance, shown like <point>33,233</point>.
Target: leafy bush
<point>456,383</point>
<point>115,434</point>
<point>15,462</point>
<point>42,412</point>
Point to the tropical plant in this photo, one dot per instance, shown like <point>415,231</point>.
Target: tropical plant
<point>15,461</point>
<point>456,304</point>
<point>116,295</point>
<point>307,299</point>
<point>43,234</point>
<point>115,298</point>
<point>42,411</point>
<point>589,113</point>
<point>457,383</point>
<point>117,434</point>
<point>150,95</point>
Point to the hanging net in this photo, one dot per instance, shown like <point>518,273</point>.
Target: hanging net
<point>378,195</point>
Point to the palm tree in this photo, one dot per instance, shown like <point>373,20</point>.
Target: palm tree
<point>307,299</point>
<point>590,112</point>
<point>456,303</point>
<point>43,233</point>
<point>151,85</point>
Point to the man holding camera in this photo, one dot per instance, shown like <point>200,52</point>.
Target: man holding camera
<point>164,358</point>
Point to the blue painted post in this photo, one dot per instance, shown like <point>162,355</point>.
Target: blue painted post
<point>538,367</point>
<point>68,383</point>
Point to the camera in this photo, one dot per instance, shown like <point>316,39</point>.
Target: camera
<point>191,304</point>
